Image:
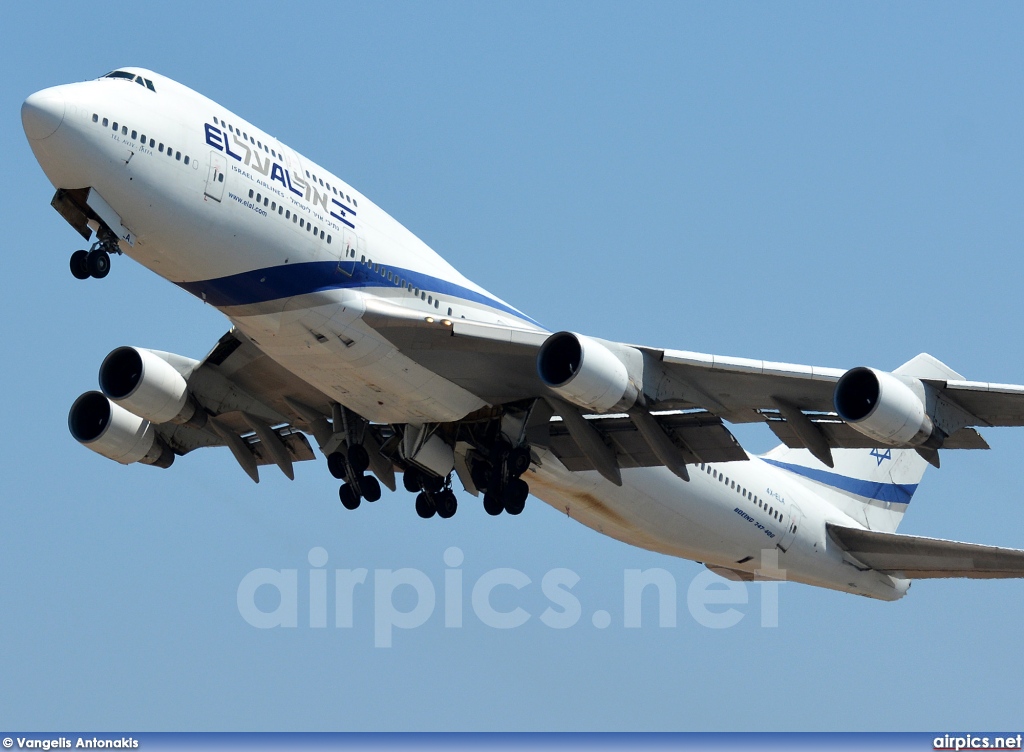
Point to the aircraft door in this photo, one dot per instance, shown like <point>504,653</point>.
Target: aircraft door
<point>347,258</point>
<point>792,519</point>
<point>215,178</point>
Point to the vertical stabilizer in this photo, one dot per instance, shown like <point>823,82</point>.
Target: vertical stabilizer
<point>873,486</point>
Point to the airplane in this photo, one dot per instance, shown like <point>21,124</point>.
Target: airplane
<point>347,328</point>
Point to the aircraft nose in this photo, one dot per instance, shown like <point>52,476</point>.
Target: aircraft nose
<point>42,113</point>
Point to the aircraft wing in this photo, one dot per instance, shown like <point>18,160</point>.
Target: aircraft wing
<point>919,558</point>
<point>246,395</point>
<point>499,364</point>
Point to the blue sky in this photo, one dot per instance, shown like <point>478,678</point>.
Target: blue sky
<point>817,183</point>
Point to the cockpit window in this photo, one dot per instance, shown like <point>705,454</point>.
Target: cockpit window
<point>132,77</point>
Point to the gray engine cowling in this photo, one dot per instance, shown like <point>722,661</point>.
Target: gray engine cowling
<point>587,373</point>
<point>885,407</point>
<point>108,429</point>
<point>145,384</point>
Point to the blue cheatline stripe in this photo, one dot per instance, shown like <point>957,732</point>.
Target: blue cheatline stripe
<point>891,492</point>
<point>288,280</point>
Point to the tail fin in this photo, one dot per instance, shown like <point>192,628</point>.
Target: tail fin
<point>873,486</point>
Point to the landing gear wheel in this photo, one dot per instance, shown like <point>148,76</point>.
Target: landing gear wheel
<point>411,480</point>
<point>358,458</point>
<point>518,461</point>
<point>515,496</point>
<point>481,475</point>
<point>432,483</point>
<point>98,264</point>
<point>446,503</point>
<point>80,265</point>
<point>349,497</point>
<point>369,487</point>
<point>425,506</point>
<point>493,505</point>
<point>336,464</point>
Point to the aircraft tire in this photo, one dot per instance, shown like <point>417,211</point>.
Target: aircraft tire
<point>80,265</point>
<point>493,505</point>
<point>358,458</point>
<point>336,465</point>
<point>411,480</point>
<point>518,461</point>
<point>349,497</point>
<point>424,506</point>
<point>369,487</point>
<point>447,504</point>
<point>98,263</point>
<point>515,496</point>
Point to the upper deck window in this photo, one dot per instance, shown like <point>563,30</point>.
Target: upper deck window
<point>144,82</point>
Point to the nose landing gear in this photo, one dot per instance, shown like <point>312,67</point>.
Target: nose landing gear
<point>96,261</point>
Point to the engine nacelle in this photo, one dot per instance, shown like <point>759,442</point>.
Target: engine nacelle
<point>145,384</point>
<point>110,430</point>
<point>585,372</point>
<point>883,407</point>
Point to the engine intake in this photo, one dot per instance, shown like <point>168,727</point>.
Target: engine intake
<point>108,429</point>
<point>145,384</point>
<point>586,373</point>
<point>884,407</point>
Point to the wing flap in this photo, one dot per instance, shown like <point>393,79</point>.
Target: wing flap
<point>840,435</point>
<point>701,437</point>
<point>927,558</point>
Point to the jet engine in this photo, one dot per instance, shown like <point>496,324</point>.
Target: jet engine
<point>885,407</point>
<point>585,372</point>
<point>145,384</point>
<point>108,429</point>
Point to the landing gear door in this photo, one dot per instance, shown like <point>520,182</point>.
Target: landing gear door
<point>215,178</point>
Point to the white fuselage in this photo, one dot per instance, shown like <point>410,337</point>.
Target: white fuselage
<point>294,256</point>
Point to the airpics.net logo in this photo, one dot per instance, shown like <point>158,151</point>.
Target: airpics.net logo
<point>408,598</point>
<point>969,741</point>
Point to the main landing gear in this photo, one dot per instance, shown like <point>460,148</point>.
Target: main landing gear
<point>497,474</point>
<point>434,495</point>
<point>96,261</point>
<point>350,466</point>
<point>499,479</point>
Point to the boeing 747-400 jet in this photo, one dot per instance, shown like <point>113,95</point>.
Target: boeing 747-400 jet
<point>347,328</point>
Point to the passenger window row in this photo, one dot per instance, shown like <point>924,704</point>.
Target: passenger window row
<point>259,198</point>
<point>398,281</point>
<point>141,139</point>
<point>767,508</point>
<point>331,188</point>
<point>246,137</point>
<point>273,152</point>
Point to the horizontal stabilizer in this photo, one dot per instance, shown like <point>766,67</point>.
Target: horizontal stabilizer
<point>918,558</point>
